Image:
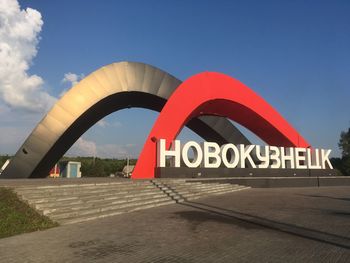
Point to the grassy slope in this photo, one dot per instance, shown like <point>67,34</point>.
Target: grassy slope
<point>17,217</point>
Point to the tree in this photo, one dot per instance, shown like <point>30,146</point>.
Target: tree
<point>344,143</point>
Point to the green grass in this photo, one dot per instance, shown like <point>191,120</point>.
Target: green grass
<point>17,217</point>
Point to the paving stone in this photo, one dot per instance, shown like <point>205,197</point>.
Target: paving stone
<point>255,225</point>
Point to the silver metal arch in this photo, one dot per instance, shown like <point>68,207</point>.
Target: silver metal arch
<point>108,89</point>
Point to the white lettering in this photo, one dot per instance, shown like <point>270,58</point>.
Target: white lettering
<point>313,159</point>
<point>287,155</point>
<point>198,154</point>
<point>300,158</point>
<point>265,160</point>
<point>275,157</point>
<point>163,153</point>
<point>325,159</point>
<point>211,155</point>
<point>245,155</point>
<point>234,155</point>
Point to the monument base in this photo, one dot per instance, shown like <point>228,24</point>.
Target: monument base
<point>258,178</point>
<point>185,172</point>
<point>272,182</point>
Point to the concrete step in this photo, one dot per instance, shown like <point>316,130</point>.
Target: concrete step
<point>39,196</point>
<point>215,189</point>
<point>180,185</point>
<point>176,197</point>
<point>112,213</point>
<point>68,191</point>
<point>81,202</point>
<point>189,191</point>
<point>126,182</point>
<point>199,186</point>
<point>202,189</point>
<point>97,199</point>
<point>102,209</point>
<point>53,188</point>
<point>85,205</point>
<point>176,183</point>
<point>214,192</point>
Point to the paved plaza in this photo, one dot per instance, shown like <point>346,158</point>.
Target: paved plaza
<point>255,225</point>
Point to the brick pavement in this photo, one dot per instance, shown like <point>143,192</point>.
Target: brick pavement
<point>255,225</point>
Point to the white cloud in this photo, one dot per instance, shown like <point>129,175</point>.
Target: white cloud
<point>19,37</point>
<point>83,147</point>
<point>103,123</point>
<point>72,78</point>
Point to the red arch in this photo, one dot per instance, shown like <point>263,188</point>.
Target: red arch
<point>212,93</point>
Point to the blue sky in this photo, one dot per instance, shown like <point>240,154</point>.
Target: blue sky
<point>295,54</point>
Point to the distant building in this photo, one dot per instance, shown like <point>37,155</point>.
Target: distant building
<point>127,170</point>
<point>69,169</point>
<point>55,171</point>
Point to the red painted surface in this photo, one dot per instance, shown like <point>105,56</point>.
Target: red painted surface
<point>55,171</point>
<point>212,93</point>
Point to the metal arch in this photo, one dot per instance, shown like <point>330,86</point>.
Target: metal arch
<point>231,99</point>
<point>110,88</point>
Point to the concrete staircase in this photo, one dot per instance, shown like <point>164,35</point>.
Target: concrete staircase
<point>73,203</point>
<point>181,190</point>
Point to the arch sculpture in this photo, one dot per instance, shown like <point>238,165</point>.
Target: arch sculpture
<point>110,88</point>
<point>220,95</point>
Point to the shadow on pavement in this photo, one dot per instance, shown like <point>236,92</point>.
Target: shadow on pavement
<point>338,213</point>
<point>329,197</point>
<point>196,218</point>
<point>248,220</point>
